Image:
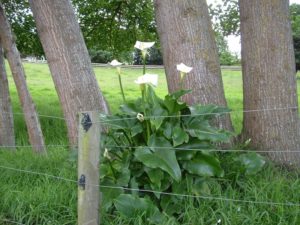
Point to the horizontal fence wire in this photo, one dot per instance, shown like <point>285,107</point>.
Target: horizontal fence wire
<point>149,117</point>
<point>157,147</point>
<point>39,115</point>
<point>201,114</point>
<point>199,149</point>
<point>216,198</point>
<point>32,146</point>
<point>38,173</point>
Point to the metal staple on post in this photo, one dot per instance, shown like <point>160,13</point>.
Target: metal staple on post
<point>88,169</point>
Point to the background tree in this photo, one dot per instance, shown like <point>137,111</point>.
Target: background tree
<point>24,30</point>
<point>269,79</point>
<point>31,117</point>
<point>225,56</point>
<point>115,25</point>
<point>7,134</point>
<point>295,20</point>
<point>186,35</point>
<point>68,60</point>
<point>226,17</point>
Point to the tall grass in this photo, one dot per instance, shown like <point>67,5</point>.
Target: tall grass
<point>37,199</point>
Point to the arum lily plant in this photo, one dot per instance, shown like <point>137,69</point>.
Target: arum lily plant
<point>117,64</point>
<point>163,145</point>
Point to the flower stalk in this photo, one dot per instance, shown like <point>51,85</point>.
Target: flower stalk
<point>117,64</point>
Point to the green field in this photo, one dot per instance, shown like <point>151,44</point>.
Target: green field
<point>37,199</point>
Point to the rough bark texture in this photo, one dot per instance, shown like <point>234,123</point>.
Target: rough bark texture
<point>186,36</point>
<point>269,79</point>
<point>68,60</point>
<point>14,60</point>
<point>7,134</point>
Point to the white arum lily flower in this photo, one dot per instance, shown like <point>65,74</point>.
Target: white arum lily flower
<point>115,63</point>
<point>140,117</point>
<point>106,154</point>
<point>147,79</point>
<point>184,68</point>
<point>143,45</point>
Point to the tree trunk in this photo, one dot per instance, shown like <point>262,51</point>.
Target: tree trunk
<point>269,79</point>
<point>7,134</point>
<point>68,60</point>
<point>14,60</point>
<point>186,36</point>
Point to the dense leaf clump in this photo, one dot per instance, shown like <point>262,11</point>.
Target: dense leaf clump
<point>162,145</point>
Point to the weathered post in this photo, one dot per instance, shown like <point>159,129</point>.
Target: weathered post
<point>88,168</point>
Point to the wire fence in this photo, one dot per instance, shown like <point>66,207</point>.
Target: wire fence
<point>183,195</point>
<point>176,116</point>
<point>213,198</point>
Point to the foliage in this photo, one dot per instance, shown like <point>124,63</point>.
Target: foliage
<point>226,17</point>
<point>225,56</point>
<point>35,199</point>
<point>115,25</point>
<point>154,57</point>
<point>100,56</point>
<point>166,148</point>
<point>23,26</point>
<point>295,19</point>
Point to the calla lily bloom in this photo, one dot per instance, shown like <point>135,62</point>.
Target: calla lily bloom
<point>143,45</point>
<point>184,68</point>
<point>140,117</point>
<point>115,63</point>
<point>147,79</point>
<point>106,154</point>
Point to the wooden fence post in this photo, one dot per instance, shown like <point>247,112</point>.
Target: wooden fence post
<point>88,168</point>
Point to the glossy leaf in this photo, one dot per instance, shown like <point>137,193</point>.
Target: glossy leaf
<point>163,158</point>
<point>204,165</point>
<point>131,206</point>
<point>179,136</point>
<point>251,162</point>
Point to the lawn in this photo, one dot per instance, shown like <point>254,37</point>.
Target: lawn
<point>37,199</point>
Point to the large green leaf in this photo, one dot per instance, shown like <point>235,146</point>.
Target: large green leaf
<point>131,206</point>
<point>167,128</point>
<point>204,165</point>
<point>178,94</point>
<point>157,115</point>
<point>207,111</point>
<point>164,159</point>
<point>109,194</point>
<point>179,136</point>
<point>171,204</point>
<point>251,162</point>
<point>196,144</point>
<point>155,176</point>
<point>155,109</point>
<point>204,131</point>
<point>130,109</point>
<point>172,104</point>
<point>185,155</point>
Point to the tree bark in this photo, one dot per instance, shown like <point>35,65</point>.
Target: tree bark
<point>269,79</point>
<point>68,60</point>
<point>186,36</point>
<point>7,134</point>
<point>14,60</point>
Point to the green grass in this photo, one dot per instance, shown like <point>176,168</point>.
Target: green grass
<point>37,199</point>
